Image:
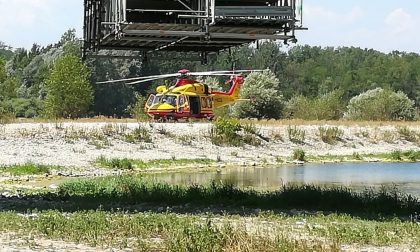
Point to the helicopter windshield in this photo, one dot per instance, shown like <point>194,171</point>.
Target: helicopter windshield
<point>158,99</point>
<point>169,99</point>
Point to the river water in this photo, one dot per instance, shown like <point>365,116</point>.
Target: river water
<point>404,176</point>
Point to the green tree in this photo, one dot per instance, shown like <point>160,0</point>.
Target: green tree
<point>380,105</point>
<point>267,101</point>
<point>69,93</point>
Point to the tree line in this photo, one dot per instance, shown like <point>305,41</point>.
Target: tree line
<point>52,81</point>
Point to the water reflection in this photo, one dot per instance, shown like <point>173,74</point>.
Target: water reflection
<point>405,176</point>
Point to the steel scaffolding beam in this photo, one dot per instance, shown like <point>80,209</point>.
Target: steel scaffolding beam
<point>186,25</point>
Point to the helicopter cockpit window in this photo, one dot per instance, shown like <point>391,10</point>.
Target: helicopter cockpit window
<point>157,99</point>
<point>169,99</point>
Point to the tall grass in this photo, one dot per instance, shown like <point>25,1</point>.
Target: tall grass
<point>330,135</point>
<point>133,190</point>
<point>295,134</point>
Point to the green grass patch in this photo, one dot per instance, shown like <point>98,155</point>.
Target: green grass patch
<point>27,169</point>
<point>153,232</point>
<point>134,190</point>
<point>129,164</point>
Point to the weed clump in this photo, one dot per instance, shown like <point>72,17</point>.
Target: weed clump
<point>139,134</point>
<point>296,135</point>
<point>396,155</point>
<point>115,163</point>
<point>298,154</point>
<point>330,135</point>
<point>407,134</point>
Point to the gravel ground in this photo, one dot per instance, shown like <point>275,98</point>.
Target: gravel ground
<point>78,144</point>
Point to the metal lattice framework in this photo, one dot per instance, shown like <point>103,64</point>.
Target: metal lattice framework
<point>186,25</point>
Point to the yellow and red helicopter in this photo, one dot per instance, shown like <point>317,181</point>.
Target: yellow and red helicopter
<point>189,98</point>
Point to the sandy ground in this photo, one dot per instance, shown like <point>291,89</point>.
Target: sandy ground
<point>79,144</point>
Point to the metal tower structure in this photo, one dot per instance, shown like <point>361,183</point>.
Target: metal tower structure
<point>186,25</point>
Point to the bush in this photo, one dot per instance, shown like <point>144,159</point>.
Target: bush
<point>5,116</point>
<point>326,107</point>
<point>225,132</point>
<point>139,134</point>
<point>137,110</point>
<point>22,107</point>
<point>230,132</point>
<point>380,105</point>
<point>264,89</point>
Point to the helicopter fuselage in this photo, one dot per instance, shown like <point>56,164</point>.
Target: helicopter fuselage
<point>194,100</point>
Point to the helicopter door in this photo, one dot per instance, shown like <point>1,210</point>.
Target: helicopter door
<point>182,102</point>
<point>195,105</point>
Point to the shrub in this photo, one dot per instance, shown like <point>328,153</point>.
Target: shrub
<point>225,132</point>
<point>326,107</point>
<point>264,88</point>
<point>230,132</point>
<point>21,107</point>
<point>380,105</point>
<point>137,110</point>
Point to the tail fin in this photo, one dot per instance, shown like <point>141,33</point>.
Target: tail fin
<point>235,89</point>
<point>237,86</point>
<point>225,98</point>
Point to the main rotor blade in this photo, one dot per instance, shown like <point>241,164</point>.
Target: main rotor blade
<point>140,78</point>
<point>222,72</point>
<point>142,81</point>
